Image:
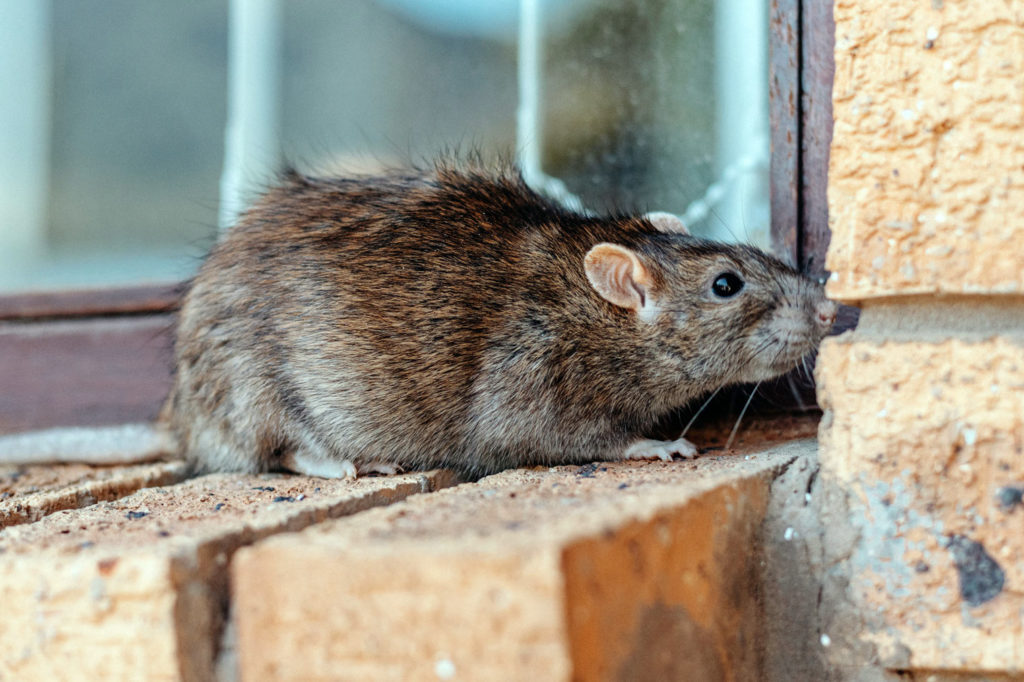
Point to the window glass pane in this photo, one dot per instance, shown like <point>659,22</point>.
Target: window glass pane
<point>112,137</point>
<point>130,141</point>
<point>130,107</point>
<point>396,81</point>
<point>662,105</point>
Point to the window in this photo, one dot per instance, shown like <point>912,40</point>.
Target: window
<point>136,128</point>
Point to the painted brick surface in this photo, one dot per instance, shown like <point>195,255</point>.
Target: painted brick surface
<point>136,588</point>
<point>926,438</point>
<point>926,184</point>
<point>610,571</point>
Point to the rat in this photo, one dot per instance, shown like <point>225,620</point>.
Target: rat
<point>454,318</point>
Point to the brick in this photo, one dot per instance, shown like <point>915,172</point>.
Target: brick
<point>30,493</point>
<point>924,434</point>
<point>926,179</point>
<point>136,588</point>
<point>611,571</point>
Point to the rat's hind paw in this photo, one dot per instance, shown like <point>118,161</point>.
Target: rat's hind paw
<point>661,449</point>
<point>380,468</point>
<point>304,462</point>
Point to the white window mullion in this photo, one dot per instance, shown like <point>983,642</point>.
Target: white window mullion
<point>26,66</point>
<point>741,96</point>
<point>529,127</point>
<point>252,133</point>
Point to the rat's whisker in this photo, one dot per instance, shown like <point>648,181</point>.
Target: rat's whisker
<point>728,443</point>
<point>697,413</point>
<point>796,392</point>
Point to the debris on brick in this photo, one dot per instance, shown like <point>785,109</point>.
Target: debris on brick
<point>1009,497</point>
<point>981,578</point>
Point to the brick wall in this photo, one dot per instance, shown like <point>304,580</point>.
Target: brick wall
<point>924,427</point>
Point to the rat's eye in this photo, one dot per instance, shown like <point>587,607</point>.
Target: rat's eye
<point>727,284</point>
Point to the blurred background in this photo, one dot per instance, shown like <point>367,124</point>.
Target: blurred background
<point>131,130</point>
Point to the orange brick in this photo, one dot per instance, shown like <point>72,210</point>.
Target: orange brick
<point>610,571</point>
<point>136,589</point>
<point>926,180</point>
<point>925,438</point>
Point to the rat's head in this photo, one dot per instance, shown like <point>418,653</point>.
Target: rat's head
<point>711,313</point>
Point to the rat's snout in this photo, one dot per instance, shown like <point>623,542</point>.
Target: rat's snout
<point>825,313</point>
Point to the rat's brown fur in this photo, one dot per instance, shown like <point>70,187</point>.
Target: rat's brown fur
<point>444,319</point>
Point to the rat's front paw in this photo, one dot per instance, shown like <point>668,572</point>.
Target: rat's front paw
<point>661,449</point>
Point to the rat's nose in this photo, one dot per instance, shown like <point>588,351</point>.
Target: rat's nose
<point>826,312</point>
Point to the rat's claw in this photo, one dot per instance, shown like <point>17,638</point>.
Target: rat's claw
<point>661,449</point>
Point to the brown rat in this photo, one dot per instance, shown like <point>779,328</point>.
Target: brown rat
<point>454,318</point>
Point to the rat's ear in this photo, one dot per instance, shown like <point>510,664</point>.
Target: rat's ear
<point>617,274</point>
<point>666,222</point>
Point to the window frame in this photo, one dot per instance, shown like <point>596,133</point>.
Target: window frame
<point>104,356</point>
<point>801,69</point>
